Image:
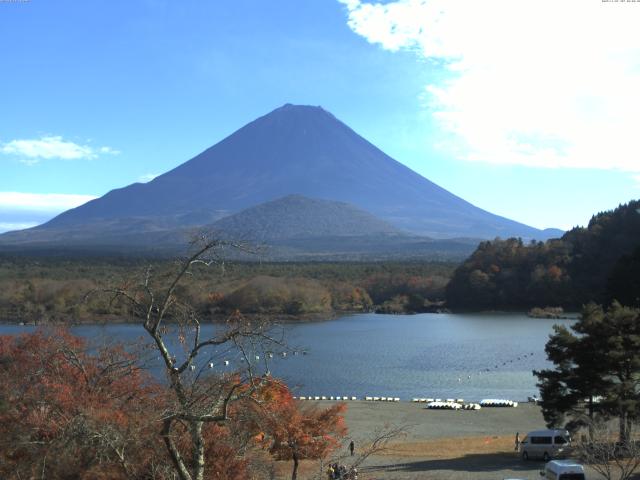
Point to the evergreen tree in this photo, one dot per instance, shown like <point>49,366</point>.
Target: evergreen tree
<point>597,369</point>
<point>624,281</point>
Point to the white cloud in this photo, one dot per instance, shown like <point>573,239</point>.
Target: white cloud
<point>541,83</point>
<point>109,151</point>
<point>31,151</point>
<point>43,202</point>
<point>147,177</point>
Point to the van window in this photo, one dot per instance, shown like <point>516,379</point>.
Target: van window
<point>541,440</point>
<point>559,440</point>
<point>571,476</point>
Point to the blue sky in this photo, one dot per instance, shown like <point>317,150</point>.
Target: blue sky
<point>540,128</point>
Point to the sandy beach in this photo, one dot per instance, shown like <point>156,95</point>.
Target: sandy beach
<point>443,444</point>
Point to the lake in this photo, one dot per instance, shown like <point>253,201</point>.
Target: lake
<point>470,356</point>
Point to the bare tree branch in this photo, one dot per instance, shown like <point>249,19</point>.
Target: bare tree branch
<point>602,451</point>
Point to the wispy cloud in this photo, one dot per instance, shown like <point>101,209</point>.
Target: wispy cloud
<point>542,84</point>
<point>147,177</point>
<point>31,151</point>
<point>45,202</point>
<point>109,151</point>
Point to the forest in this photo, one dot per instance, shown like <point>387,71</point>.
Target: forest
<point>44,290</point>
<point>599,263</point>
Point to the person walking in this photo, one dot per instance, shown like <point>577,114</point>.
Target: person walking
<point>517,441</point>
<point>352,447</point>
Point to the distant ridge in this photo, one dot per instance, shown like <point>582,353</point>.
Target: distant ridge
<point>293,150</point>
<point>297,217</point>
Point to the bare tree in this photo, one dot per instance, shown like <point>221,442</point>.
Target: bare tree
<point>378,442</point>
<point>202,389</point>
<point>612,459</point>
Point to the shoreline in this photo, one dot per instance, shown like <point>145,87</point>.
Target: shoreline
<point>216,319</point>
<point>287,319</point>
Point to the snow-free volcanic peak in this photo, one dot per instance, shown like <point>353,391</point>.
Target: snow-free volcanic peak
<point>295,149</point>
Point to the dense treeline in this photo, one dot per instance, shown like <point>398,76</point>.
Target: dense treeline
<point>598,263</point>
<point>39,290</point>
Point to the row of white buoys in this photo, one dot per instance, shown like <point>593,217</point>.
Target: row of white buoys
<point>338,398</point>
<point>284,354</point>
<point>382,399</point>
<point>211,364</point>
<point>497,366</point>
<point>498,402</point>
<point>257,357</point>
<point>471,406</point>
<point>444,406</point>
<point>226,364</point>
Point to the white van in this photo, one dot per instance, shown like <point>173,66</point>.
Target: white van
<point>545,444</point>
<point>563,470</point>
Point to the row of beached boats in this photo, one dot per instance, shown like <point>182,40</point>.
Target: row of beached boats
<point>453,406</point>
<point>431,400</point>
<point>432,403</point>
<point>498,402</point>
<point>323,397</point>
<point>458,403</point>
<point>350,398</point>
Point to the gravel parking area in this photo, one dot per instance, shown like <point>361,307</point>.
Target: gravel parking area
<point>446,444</point>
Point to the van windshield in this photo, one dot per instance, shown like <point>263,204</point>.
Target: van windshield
<point>558,440</point>
<point>571,476</point>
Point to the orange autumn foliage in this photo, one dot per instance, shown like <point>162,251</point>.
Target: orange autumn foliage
<point>67,414</point>
<point>70,412</point>
<point>296,432</point>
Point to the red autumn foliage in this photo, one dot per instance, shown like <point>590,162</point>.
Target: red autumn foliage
<point>297,433</point>
<point>66,413</point>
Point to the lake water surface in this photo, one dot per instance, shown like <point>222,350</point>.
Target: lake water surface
<point>470,356</point>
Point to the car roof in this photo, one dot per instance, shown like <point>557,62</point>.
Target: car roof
<point>565,463</point>
<point>564,466</point>
<point>549,432</point>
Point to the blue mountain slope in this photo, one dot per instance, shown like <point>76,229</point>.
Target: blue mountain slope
<point>293,150</point>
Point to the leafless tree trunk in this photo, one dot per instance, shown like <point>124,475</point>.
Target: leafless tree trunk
<point>198,398</point>
<point>296,462</point>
